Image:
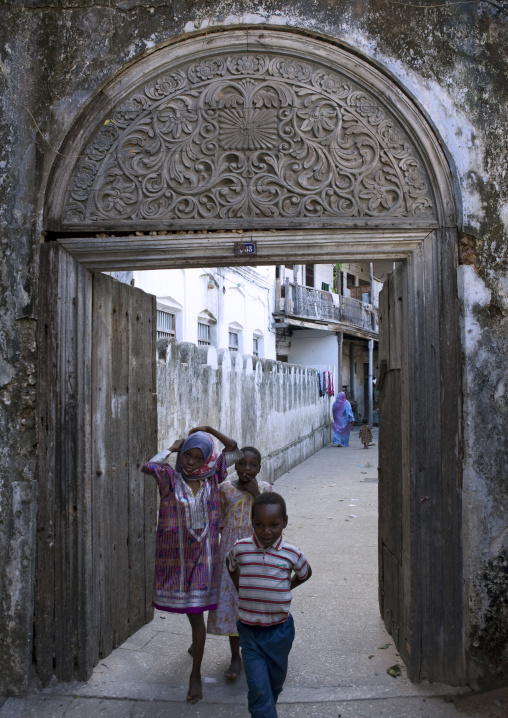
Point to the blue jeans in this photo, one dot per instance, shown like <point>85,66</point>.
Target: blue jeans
<point>265,653</point>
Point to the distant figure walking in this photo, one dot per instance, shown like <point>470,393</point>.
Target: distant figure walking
<point>343,420</point>
<point>365,434</point>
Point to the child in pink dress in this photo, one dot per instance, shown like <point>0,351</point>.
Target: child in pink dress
<point>187,543</point>
<point>235,503</point>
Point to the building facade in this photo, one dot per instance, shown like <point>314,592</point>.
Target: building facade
<point>224,307</point>
<point>325,317</point>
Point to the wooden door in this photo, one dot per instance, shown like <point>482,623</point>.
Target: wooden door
<point>97,423</point>
<point>420,489</point>
<point>393,420</point>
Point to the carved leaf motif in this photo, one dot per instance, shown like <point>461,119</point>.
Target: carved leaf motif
<point>247,137</point>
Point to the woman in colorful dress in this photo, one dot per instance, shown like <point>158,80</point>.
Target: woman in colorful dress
<point>343,420</point>
<point>235,500</point>
<point>187,543</point>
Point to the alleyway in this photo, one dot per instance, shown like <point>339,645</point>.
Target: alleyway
<point>340,658</point>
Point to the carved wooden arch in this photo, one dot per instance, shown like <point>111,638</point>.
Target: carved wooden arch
<point>257,128</point>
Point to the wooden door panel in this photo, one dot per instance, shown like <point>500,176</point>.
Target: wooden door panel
<point>393,415</point>
<point>97,423</point>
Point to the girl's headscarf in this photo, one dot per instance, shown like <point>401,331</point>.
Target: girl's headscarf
<point>202,441</point>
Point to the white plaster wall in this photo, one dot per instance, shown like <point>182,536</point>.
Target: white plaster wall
<point>481,520</point>
<point>315,348</point>
<point>273,406</point>
<point>323,273</point>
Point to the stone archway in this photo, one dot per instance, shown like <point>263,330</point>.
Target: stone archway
<point>315,152</point>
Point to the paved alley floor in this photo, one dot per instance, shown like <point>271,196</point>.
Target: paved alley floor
<point>338,665</point>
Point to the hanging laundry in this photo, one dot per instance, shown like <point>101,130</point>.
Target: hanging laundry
<point>321,383</point>
<point>328,382</point>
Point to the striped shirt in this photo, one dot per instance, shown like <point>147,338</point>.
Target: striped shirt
<point>265,579</point>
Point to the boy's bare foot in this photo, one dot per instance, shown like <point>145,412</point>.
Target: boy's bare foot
<point>195,693</point>
<point>234,669</point>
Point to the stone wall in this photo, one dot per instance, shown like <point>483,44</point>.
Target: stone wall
<point>450,57</point>
<point>273,406</point>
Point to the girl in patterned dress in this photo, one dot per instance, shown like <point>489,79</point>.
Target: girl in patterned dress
<point>187,543</point>
<point>235,502</point>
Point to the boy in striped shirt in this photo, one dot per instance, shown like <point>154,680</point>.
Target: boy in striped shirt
<point>264,569</point>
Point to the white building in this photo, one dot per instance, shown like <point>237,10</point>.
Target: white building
<point>226,307</point>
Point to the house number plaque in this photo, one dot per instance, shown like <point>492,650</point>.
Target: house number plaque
<point>242,248</point>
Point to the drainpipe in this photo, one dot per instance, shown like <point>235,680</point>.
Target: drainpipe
<point>370,384</point>
<point>340,343</point>
<point>351,371</point>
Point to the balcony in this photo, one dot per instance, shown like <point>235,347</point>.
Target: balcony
<point>321,307</point>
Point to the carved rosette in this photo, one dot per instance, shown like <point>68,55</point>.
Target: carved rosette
<point>247,138</point>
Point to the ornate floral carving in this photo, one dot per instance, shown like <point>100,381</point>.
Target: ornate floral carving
<point>247,137</point>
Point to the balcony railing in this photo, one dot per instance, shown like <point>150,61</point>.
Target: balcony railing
<point>317,304</point>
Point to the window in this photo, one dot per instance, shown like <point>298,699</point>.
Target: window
<point>207,329</point>
<point>165,324</point>
<point>203,334</point>
<point>309,275</point>
<point>257,344</point>
<point>233,341</point>
<point>325,287</point>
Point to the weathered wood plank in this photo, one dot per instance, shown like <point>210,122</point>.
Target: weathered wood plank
<point>428,479</point>
<point>63,582</point>
<point>118,451</point>
<point>142,440</point>
<point>149,488</point>
<point>46,411</point>
<point>101,405</point>
<point>86,653</point>
<point>451,455</point>
<point>393,415</point>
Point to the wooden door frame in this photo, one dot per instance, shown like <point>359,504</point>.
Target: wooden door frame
<point>431,356</point>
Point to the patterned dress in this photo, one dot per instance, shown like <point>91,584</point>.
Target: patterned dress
<point>187,543</point>
<point>365,434</point>
<point>235,521</point>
